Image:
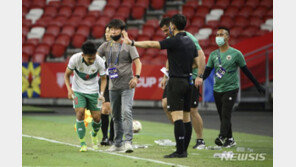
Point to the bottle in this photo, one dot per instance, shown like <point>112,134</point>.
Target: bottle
<point>99,105</point>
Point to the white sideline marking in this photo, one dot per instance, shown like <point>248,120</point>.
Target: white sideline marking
<point>112,153</point>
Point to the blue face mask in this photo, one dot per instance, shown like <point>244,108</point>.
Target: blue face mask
<point>220,41</point>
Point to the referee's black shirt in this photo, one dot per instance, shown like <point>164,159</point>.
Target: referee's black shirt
<point>181,52</point>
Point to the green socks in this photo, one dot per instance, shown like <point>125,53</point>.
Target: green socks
<point>81,131</point>
<point>96,127</point>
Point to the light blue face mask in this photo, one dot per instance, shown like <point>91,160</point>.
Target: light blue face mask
<point>220,41</point>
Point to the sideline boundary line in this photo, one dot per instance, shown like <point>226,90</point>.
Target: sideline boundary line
<point>112,153</point>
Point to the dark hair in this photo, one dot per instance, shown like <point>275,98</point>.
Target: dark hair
<point>107,26</point>
<point>89,48</point>
<point>165,22</point>
<point>179,21</point>
<point>117,23</point>
<point>224,28</point>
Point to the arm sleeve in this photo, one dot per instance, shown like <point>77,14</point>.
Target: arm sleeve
<point>72,63</point>
<point>101,50</point>
<point>133,52</point>
<point>207,72</point>
<point>194,40</point>
<point>240,61</point>
<point>248,73</point>
<point>167,43</point>
<point>102,69</point>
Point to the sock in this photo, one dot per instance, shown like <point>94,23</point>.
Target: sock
<point>188,132</point>
<point>111,137</point>
<point>80,129</point>
<point>105,124</point>
<point>95,127</point>
<point>179,135</point>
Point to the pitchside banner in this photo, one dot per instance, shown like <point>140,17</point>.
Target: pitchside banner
<point>53,84</point>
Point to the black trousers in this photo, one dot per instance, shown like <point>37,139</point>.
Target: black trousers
<point>224,103</point>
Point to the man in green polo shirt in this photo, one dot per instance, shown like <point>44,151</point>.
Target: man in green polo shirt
<point>197,122</point>
<point>226,61</point>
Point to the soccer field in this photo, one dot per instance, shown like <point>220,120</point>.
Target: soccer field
<point>51,141</point>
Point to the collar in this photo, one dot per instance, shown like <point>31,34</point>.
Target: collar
<point>181,34</point>
<point>84,61</point>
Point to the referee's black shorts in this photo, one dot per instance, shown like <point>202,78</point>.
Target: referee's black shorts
<point>178,94</point>
<point>194,95</point>
<point>106,93</point>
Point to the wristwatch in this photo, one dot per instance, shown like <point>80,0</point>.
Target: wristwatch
<point>137,76</point>
<point>200,76</point>
<point>133,42</point>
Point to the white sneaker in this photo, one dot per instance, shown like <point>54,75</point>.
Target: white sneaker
<point>128,147</point>
<point>113,148</point>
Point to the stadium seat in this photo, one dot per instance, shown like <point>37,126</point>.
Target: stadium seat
<point>157,4</point>
<point>259,11</point>
<point>113,3</point>
<point>88,21</point>
<point>138,12</point>
<point>38,4</point>
<point>157,38</point>
<point>38,57</point>
<point>36,32</point>
<point>231,11</point>
<point>42,22</point>
<point>266,3</point>
<point>148,30</point>
<point>193,29</point>
<point>141,51</point>
<point>211,39</point>
<point>109,12</point>
<point>55,4</point>
<point>68,3</point>
<point>98,31</point>
<point>208,3</point>
<point>261,32</point>
<point>245,11</point>
<point>42,48</point>
<point>269,14</point>
<point>157,60</point>
<point>34,14</point>
<point>58,50</point>
<point>133,33</point>
<point>123,11</point>
<point>94,13</point>
<point>33,41</point>
<point>170,13</point>
<point>127,3</point>
<point>198,21</point>
<point>53,30</point>
<point>26,3</point>
<point>119,17</point>
<point>25,30</point>
<point>102,21</point>
<point>97,5</point>
<point>250,31</point>
<point>217,12</point>
<point>152,52</point>
<point>213,24</point>
<point>205,31</point>
<point>142,3</point>
<point>204,43</point>
<point>192,3</point>
<point>210,17</point>
<point>50,11</point>
<point>25,10</point>
<point>226,21</point>
<point>162,53</point>
<point>23,39</point>
<point>84,3</point>
<point>68,30</point>
<point>65,11</point>
<point>188,11</point>
<point>83,30</point>
<point>25,58</point>
<point>235,31</point>
<point>145,59</point>
<point>159,33</point>
<point>222,4</point>
<point>241,21</point>
<point>48,39</point>
<point>80,11</point>
<point>28,49</point>
<point>202,11</point>
<point>152,22</point>
<point>78,40</point>
<point>73,21</point>
<point>58,21</point>
<point>252,3</point>
<point>63,40</point>
<point>143,37</point>
<point>237,3</point>
<point>255,21</point>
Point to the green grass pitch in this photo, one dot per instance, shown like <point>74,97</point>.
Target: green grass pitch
<point>61,128</point>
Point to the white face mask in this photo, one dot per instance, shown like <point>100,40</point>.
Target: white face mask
<point>220,41</point>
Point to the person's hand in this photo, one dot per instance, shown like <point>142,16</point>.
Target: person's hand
<point>70,94</point>
<point>198,81</point>
<point>163,83</point>
<point>261,89</point>
<point>126,39</point>
<point>101,97</point>
<point>133,82</point>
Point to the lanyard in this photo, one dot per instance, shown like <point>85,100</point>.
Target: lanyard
<point>110,55</point>
<point>219,59</point>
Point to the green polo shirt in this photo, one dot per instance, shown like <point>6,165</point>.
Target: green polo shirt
<point>230,61</point>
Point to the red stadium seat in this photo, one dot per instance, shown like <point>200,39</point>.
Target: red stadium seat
<point>235,31</point>
<point>192,3</point>
<point>141,51</point>
<point>48,39</point>
<point>58,50</point>
<point>241,21</point>
<point>68,30</point>
<point>226,21</point>
<point>261,32</point>
<point>109,12</point>
<point>143,37</point>
<point>42,22</point>
<point>25,58</point>
<point>145,59</point>
<point>98,31</point>
<point>25,30</point>
<point>233,41</point>
<point>119,17</point>
<point>127,3</point>
<point>42,48</point>
<point>88,21</point>
<point>213,24</point>
<point>238,3</point>
<point>198,21</point>
<point>25,10</point>
<point>38,57</point>
<point>250,31</point>
<point>245,11</point>
<point>222,4</point>
<point>157,60</point>
<point>149,30</point>
<point>33,41</point>
<point>157,4</point>
<point>157,38</point>
<point>73,21</point>
<point>188,11</point>
<point>152,22</point>
<point>84,3</point>
<point>202,11</point>
<point>50,11</point>
<point>203,43</point>
<point>143,3</point>
<point>102,21</point>
<point>38,4</point>
<point>231,11</point>
<point>133,33</point>
<point>78,40</point>
<point>63,40</point>
<point>269,14</point>
<point>259,12</point>
<point>80,11</point>
<point>113,3</point>
<point>83,30</point>
<point>193,29</point>
<point>170,13</point>
<point>95,13</point>
<point>54,30</point>
<point>55,4</point>
<point>138,12</point>
<point>208,3</point>
<point>69,3</point>
<point>123,11</point>
<point>27,22</point>
<point>58,21</point>
<point>26,3</point>
<point>23,39</point>
<point>65,11</point>
<point>252,3</point>
<point>255,21</point>
<point>266,3</point>
<point>162,54</point>
<point>152,52</point>
<point>28,49</point>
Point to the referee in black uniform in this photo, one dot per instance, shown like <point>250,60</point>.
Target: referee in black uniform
<point>182,54</point>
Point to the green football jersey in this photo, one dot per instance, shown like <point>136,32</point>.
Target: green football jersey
<point>195,70</point>
<point>230,61</point>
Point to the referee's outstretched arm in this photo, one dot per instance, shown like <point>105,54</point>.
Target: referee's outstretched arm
<point>142,44</point>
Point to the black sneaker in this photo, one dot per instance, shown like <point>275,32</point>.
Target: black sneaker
<point>220,141</point>
<point>176,155</point>
<point>229,142</point>
<point>200,144</point>
<point>105,142</point>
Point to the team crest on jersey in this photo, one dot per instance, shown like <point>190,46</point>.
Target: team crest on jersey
<point>228,57</point>
<point>93,70</point>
